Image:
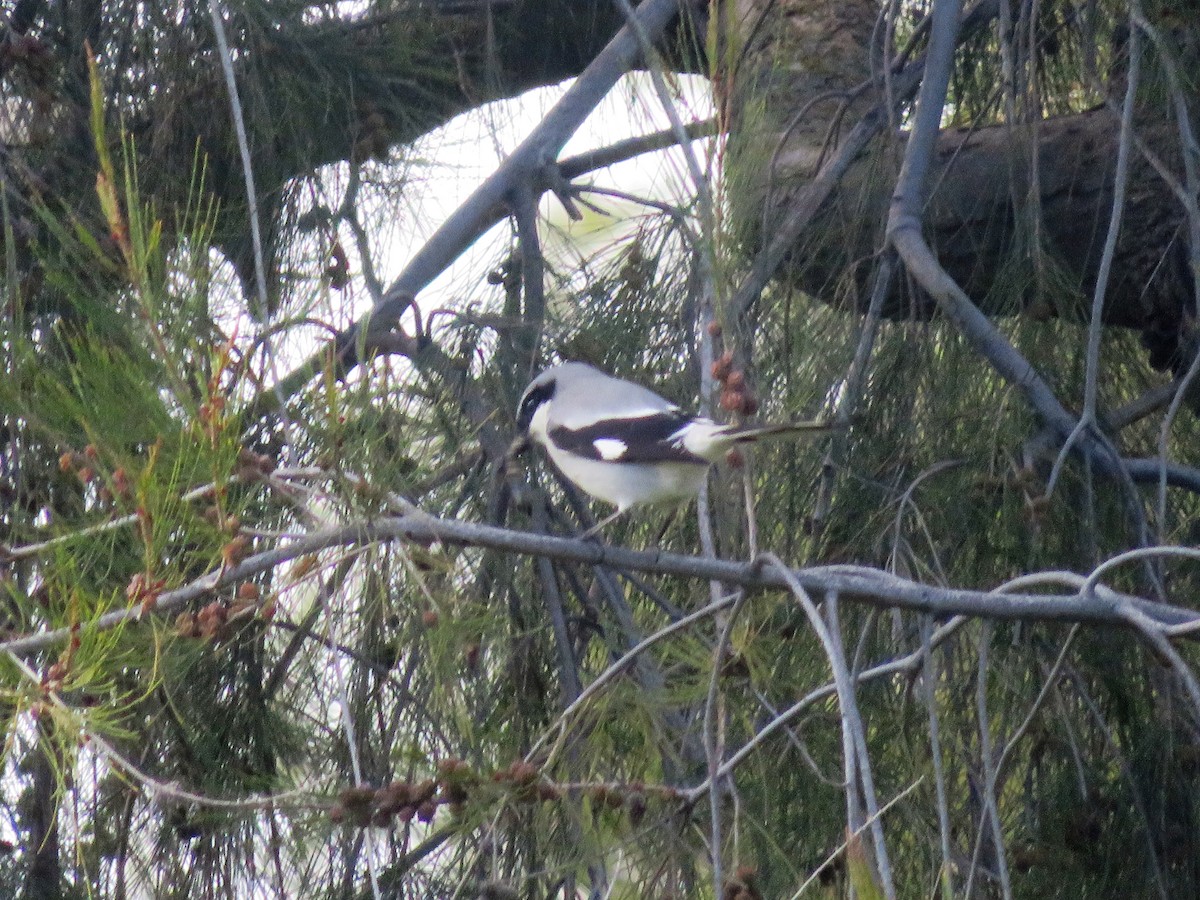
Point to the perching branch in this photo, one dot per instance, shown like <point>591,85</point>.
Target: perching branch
<point>862,584</point>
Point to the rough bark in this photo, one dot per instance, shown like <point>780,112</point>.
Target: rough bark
<point>1014,248</point>
<point>986,244</point>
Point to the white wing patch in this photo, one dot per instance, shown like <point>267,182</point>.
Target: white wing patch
<point>609,448</point>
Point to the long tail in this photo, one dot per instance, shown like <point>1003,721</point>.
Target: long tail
<point>711,441</point>
<point>757,432</point>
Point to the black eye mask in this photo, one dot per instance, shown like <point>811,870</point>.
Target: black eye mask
<point>533,398</point>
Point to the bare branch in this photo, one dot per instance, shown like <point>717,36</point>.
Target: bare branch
<point>567,663</point>
<point>929,679</point>
<point>630,148</point>
<point>857,762</point>
<point>1091,385</point>
<point>991,813</point>
<point>533,278</point>
<point>714,744</point>
<point>856,583</point>
<point>904,233</point>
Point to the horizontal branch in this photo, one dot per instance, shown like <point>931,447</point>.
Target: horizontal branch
<point>856,583</point>
<point>630,148</point>
<point>1148,471</point>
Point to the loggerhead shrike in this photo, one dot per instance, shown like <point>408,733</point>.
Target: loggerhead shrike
<point>622,443</point>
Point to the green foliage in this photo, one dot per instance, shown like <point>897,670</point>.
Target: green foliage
<point>127,397</point>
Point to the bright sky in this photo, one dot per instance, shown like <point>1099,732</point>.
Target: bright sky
<point>453,160</point>
<point>402,203</point>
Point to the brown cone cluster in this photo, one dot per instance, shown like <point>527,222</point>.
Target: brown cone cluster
<point>742,885</point>
<point>457,782</point>
<point>736,396</point>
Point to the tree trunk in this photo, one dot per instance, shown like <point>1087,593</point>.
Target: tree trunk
<point>43,878</point>
<point>1012,249</point>
<point>988,245</point>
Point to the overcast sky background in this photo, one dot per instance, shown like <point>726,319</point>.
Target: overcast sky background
<point>402,203</point>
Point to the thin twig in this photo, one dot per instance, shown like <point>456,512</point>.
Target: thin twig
<point>713,746</point>
<point>1135,791</point>
<point>325,591</point>
<point>1134,555</point>
<point>1091,386</point>
<point>163,789</point>
<point>904,666</point>
<point>348,213</point>
<point>567,663</point>
<point>929,680</point>
<point>841,848</point>
<point>990,774</point>
<point>260,269</point>
<point>857,764</point>
<point>1191,156</point>
<point>852,387</point>
<point>533,278</point>
<point>1036,707</point>
<point>616,669</point>
<point>1154,636</point>
<point>351,734</point>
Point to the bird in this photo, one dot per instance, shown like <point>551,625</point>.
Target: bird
<point>624,444</point>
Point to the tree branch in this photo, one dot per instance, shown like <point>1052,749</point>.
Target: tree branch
<point>855,583</point>
<point>904,233</point>
<point>808,201</point>
<point>479,211</point>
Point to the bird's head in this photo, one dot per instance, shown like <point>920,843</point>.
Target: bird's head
<point>540,391</point>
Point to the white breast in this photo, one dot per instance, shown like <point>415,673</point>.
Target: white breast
<point>628,484</point>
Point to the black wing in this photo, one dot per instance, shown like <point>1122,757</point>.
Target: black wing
<point>639,440</point>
